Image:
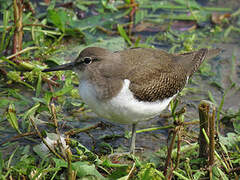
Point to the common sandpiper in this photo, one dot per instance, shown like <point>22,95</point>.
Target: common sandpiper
<point>132,85</point>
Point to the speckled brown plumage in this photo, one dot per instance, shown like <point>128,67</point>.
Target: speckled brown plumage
<point>153,73</point>
<point>157,77</point>
<point>163,75</point>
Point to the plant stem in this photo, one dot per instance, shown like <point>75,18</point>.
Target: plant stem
<point>203,109</point>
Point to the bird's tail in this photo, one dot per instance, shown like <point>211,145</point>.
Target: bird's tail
<point>193,60</point>
<point>213,53</point>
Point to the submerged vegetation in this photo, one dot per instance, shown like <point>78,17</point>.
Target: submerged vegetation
<point>46,130</point>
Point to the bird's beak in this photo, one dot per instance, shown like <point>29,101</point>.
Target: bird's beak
<point>68,66</point>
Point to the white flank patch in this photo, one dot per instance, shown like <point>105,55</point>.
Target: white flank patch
<point>187,79</point>
<point>123,108</point>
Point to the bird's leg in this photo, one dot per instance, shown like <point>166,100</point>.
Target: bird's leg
<point>132,144</point>
<point>133,138</point>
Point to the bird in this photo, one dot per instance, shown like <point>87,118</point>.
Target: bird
<point>135,84</point>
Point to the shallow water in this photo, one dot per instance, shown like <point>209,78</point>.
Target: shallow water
<point>226,71</point>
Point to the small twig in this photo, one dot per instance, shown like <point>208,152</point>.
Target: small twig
<point>22,51</point>
<point>170,148</point>
<point>126,6</point>
<point>154,129</point>
<point>18,31</point>
<point>179,134</point>
<point>43,140</point>
<point>131,171</point>
<point>169,115</point>
<point>108,32</point>
<point>237,169</point>
<point>131,18</point>
<point>191,122</point>
<point>71,174</point>
<point>50,82</point>
<point>40,25</point>
<point>79,130</point>
<point>18,136</point>
<point>207,129</point>
<point>212,136</point>
<point>227,160</point>
<point>54,118</point>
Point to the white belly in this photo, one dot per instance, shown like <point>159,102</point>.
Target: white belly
<point>123,108</point>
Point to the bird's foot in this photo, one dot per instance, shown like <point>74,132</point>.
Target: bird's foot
<point>120,154</point>
<point>128,153</point>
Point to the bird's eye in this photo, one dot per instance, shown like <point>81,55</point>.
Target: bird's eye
<point>87,60</point>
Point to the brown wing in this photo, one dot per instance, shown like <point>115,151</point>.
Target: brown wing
<point>156,83</point>
<point>154,74</point>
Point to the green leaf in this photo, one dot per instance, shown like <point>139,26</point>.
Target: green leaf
<point>4,102</point>
<point>60,163</point>
<point>231,140</point>
<point>31,111</point>
<point>140,15</point>
<point>218,174</point>
<point>210,96</point>
<point>60,18</point>
<point>81,6</point>
<point>47,97</point>
<point>124,34</point>
<point>9,61</point>
<point>51,5</point>
<point>180,176</point>
<point>149,171</point>
<point>84,169</point>
<point>16,76</point>
<point>108,163</point>
<point>120,172</point>
<point>127,1</point>
<point>1,163</point>
<point>12,117</point>
<point>63,91</point>
<point>39,84</point>
<point>198,175</point>
<point>108,5</point>
<point>15,94</point>
<point>83,150</point>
